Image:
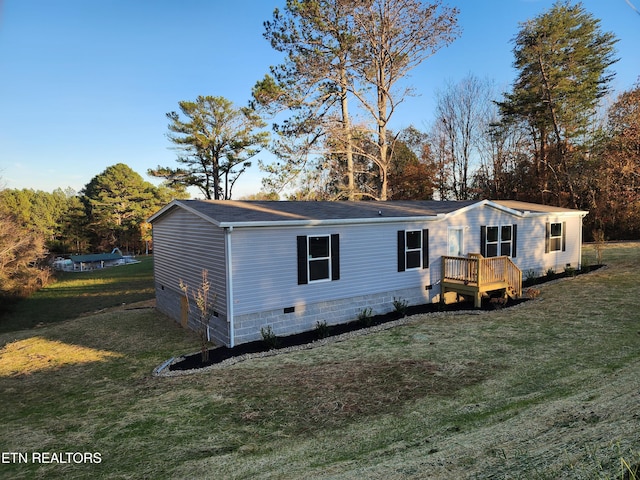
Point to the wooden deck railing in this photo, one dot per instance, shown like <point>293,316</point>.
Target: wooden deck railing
<point>481,272</point>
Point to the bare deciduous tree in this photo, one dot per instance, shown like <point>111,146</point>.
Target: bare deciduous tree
<point>463,114</point>
<point>339,49</point>
<point>395,36</point>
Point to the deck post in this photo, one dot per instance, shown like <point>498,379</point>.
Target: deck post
<point>477,299</point>
<point>443,290</point>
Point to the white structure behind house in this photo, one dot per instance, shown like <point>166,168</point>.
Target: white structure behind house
<point>93,261</point>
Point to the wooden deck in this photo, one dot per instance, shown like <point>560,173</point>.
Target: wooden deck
<point>475,275</point>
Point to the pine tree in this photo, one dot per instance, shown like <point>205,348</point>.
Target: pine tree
<point>118,201</point>
<point>562,58</point>
<point>216,142</point>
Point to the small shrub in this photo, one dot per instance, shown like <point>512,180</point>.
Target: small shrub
<point>530,275</point>
<point>400,306</point>
<point>322,329</point>
<point>364,316</point>
<point>598,238</point>
<point>551,274</point>
<point>570,271</point>
<point>269,337</point>
<point>204,304</point>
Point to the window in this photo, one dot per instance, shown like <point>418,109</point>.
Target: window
<point>318,258</point>
<point>495,241</point>
<point>505,240</point>
<point>555,237</point>
<point>413,249</point>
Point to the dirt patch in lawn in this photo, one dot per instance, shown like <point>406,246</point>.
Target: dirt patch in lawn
<point>330,393</point>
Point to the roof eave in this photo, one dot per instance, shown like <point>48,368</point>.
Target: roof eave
<point>358,221</point>
<point>572,213</point>
<point>529,213</point>
<point>177,203</point>
<point>332,221</point>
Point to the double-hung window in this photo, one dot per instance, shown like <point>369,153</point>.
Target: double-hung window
<point>413,249</point>
<point>318,258</point>
<point>492,241</point>
<point>498,240</point>
<point>555,237</point>
<point>319,261</point>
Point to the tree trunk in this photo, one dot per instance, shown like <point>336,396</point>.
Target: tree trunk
<point>346,123</point>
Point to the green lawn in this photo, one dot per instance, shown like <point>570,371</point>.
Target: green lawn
<point>545,390</point>
<point>79,293</point>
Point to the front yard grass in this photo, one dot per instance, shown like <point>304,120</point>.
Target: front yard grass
<point>547,389</point>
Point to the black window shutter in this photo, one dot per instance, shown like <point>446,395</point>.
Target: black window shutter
<point>335,257</point>
<point>547,235</point>
<point>564,236</point>
<point>483,241</point>
<point>401,264</point>
<point>514,241</point>
<point>302,260</point>
<point>425,248</point>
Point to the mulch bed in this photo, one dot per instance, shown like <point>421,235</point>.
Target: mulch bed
<point>219,354</point>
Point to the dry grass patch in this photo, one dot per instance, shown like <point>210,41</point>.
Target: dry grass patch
<point>30,355</point>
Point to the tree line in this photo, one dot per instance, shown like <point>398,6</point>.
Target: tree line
<point>110,211</point>
<point>551,138</point>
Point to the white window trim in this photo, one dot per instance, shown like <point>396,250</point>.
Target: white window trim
<point>555,238</point>
<point>407,250</point>
<point>310,259</point>
<point>499,241</point>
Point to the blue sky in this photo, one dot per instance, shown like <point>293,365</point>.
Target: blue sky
<point>85,84</point>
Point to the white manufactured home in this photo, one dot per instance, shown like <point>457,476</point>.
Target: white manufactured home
<point>289,265</point>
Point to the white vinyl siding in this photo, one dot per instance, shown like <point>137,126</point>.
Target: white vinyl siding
<point>184,245</point>
<point>368,264</point>
<point>265,269</point>
<point>530,255</point>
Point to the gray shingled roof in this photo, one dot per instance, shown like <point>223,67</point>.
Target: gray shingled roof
<point>227,213</point>
<point>273,211</point>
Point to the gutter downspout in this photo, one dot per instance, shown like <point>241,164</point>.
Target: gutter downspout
<point>229,269</point>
